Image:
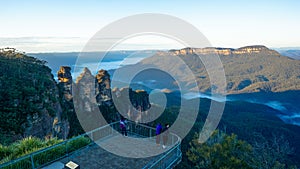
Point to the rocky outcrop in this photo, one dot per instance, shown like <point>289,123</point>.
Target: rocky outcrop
<point>139,99</point>
<point>65,82</point>
<point>85,91</point>
<point>225,51</point>
<point>65,85</point>
<point>103,89</point>
<point>134,105</point>
<point>255,49</point>
<point>85,84</point>
<point>91,93</point>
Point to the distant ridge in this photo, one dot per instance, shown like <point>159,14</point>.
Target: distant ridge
<point>247,69</point>
<point>295,54</point>
<point>225,51</point>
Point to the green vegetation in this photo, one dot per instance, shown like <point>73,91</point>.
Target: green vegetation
<point>27,90</point>
<point>220,151</point>
<point>60,150</point>
<point>273,143</point>
<point>24,147</point>
<point>28,145</point>
<point>227,151</point>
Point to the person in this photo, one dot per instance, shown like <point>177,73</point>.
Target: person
<point>165,135</point>
<point>158,132</point>
<point>123,126</point>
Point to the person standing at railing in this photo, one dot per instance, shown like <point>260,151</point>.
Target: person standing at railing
<point>158,132</point>
<point>123,124</point>
<point>165,135</point>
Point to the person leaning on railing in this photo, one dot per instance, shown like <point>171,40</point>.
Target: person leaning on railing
<point>123,124</point>
<point>165,135</point>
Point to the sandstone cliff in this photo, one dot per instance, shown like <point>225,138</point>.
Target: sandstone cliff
<point>103,88</point>
<point>224,51</point>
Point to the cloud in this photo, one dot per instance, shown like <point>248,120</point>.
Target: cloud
<point>44,44</point>
<point>76,44</point>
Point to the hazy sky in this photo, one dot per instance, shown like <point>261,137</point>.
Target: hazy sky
<point>57,25</point>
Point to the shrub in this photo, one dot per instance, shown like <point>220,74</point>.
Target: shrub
<point>27,145</point>
<point>49,155</point>
<point>78,143</point>
<point>5,151</point>
<point>220,151</point>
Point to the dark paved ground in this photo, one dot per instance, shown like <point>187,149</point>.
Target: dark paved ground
<point>95,157</point>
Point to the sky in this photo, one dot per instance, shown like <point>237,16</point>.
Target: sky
<point>61,26</point>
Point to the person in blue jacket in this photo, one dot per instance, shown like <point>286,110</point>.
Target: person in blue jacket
<point>158,132</point>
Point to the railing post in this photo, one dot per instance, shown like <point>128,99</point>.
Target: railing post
<point>178,150</point>
<point>32,162</point>
<point>172,139</point>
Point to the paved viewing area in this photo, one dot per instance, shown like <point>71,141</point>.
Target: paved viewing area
<point>138,150</point>
<point>94,156</point>
<point>135,151</point>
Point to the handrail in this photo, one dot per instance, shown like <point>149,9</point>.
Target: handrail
<point>175,149</point>
<point>29,159</point>
<point>32,160</point>
<point>160,159</point>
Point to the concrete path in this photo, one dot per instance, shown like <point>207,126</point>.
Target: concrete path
<point>95,157</point>
<point>55,165</point>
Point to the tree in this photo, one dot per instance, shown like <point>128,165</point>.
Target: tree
<point>271,153</point>
<point>220,151</point>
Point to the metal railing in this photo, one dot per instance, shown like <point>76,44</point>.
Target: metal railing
<point>168,159</point>
<point>66,148</point>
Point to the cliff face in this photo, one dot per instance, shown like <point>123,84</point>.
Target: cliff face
<point>103,89</point>
<point>85,90</point>
<point>139,99</point>
<point>225,51</point>
<point>29,99</point>
<point>65,82</point>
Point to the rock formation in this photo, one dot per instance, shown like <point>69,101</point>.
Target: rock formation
<point>65,85</point>
<point>65,81</point>
<point>91,93</point>
<point>103,89</point>
<point>85,85</point>
<point>225,51</point>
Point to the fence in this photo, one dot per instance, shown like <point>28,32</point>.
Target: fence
<point>56,152</point>
<point>167,160</point>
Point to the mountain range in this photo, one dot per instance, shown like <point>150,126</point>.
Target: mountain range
<point>247,69</point>
<point>292,53</point>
